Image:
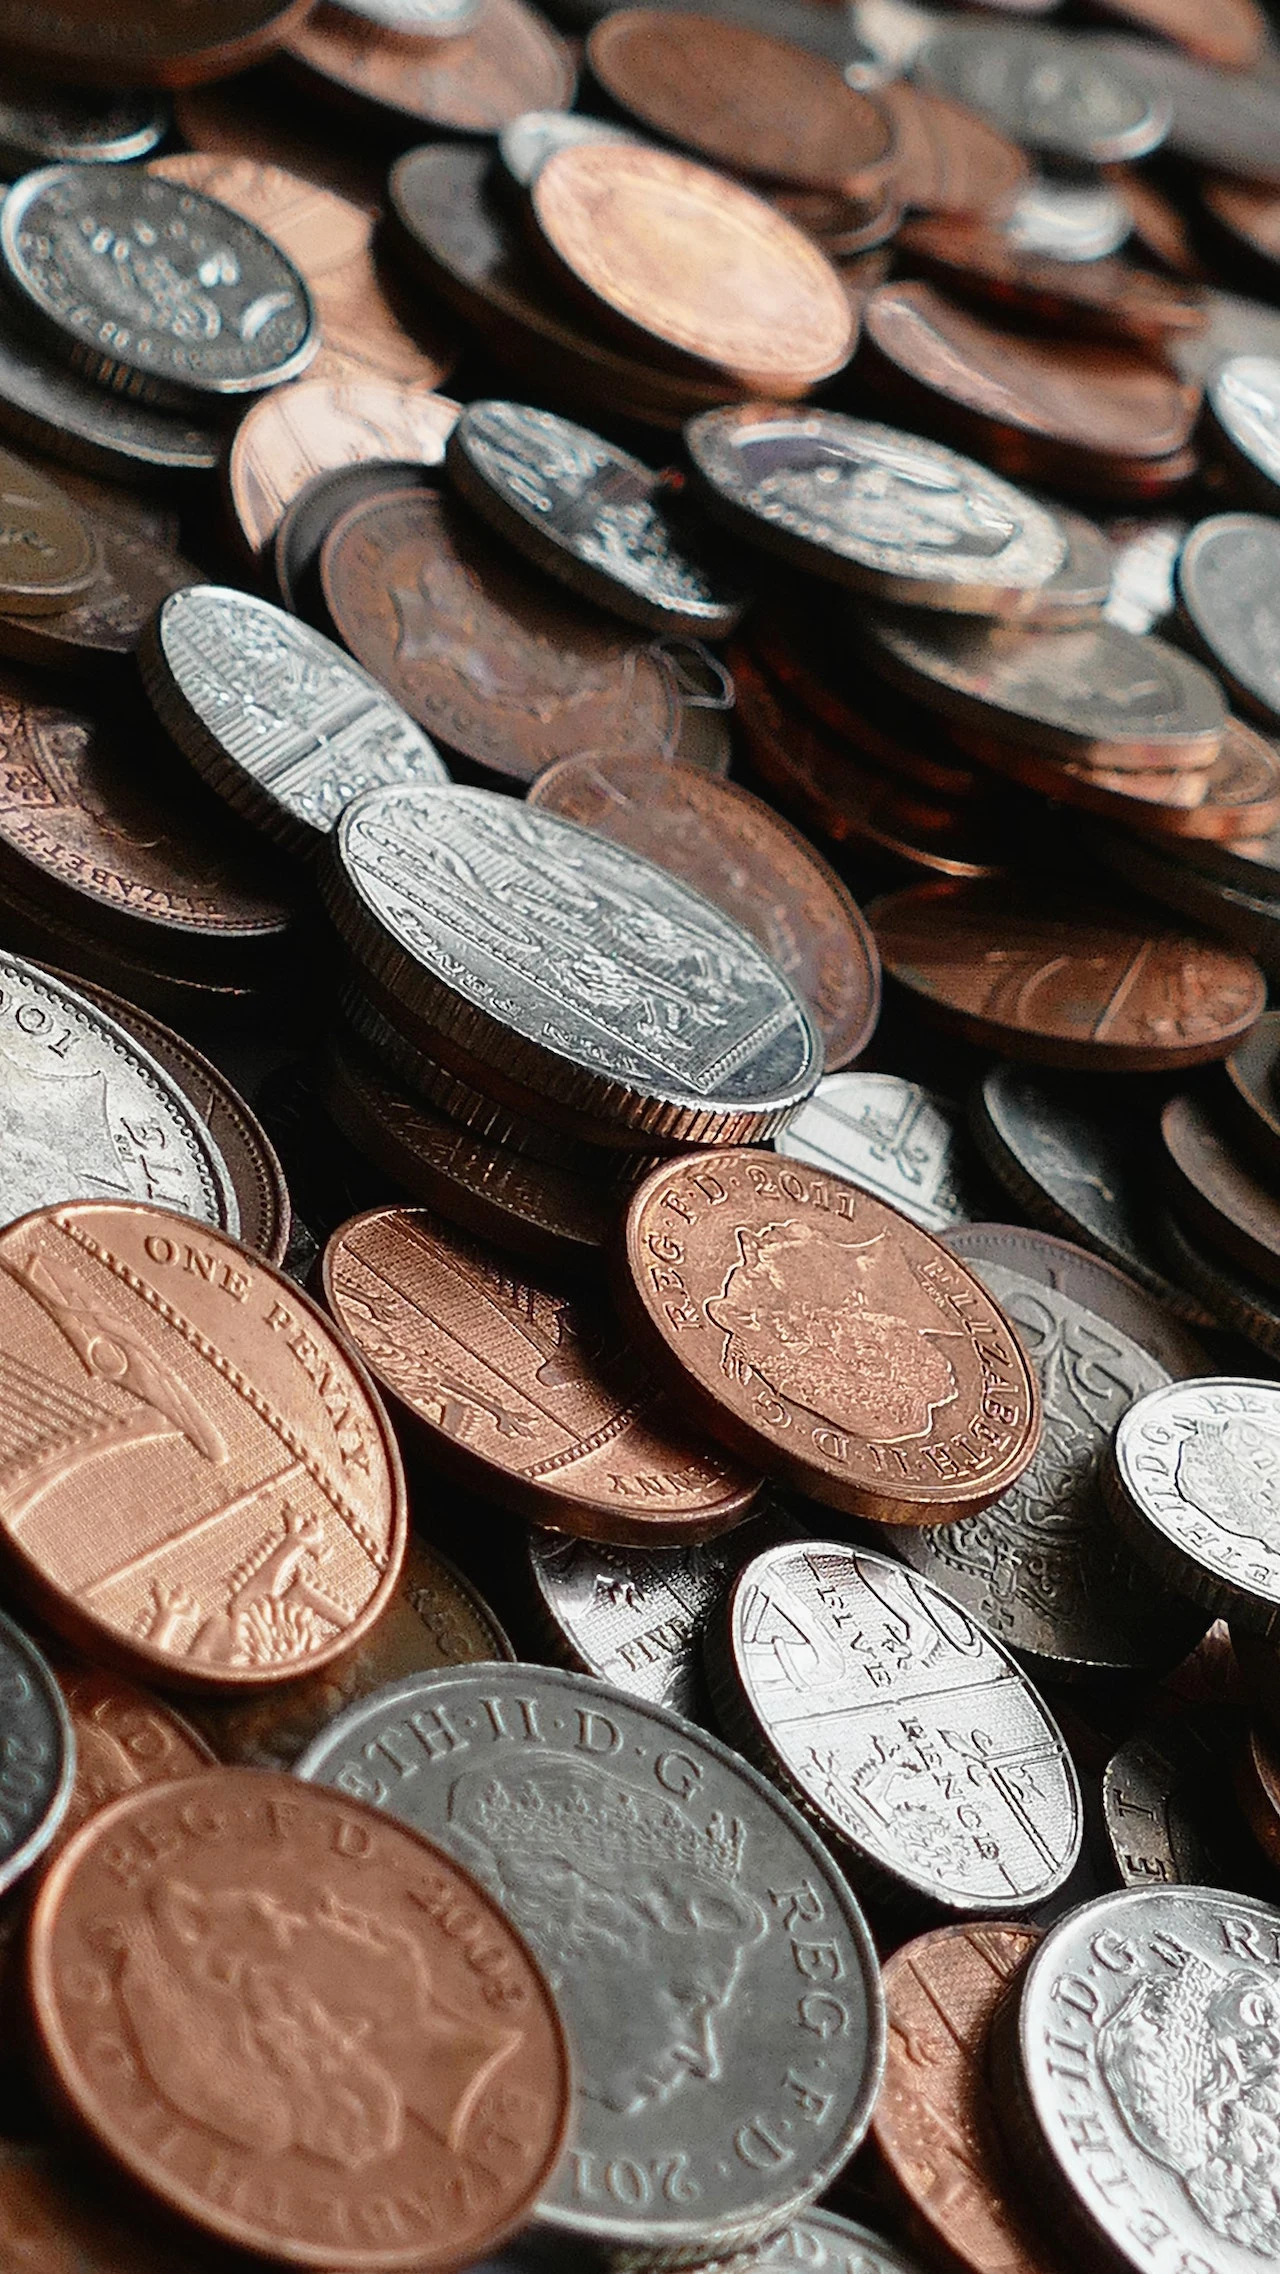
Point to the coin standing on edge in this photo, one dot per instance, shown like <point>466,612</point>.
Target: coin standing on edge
<point>37,1775</point>
<point>1195,1479</point>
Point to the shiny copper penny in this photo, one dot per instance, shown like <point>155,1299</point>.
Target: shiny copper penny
<point>99,631</point>
<point>329,239</point>
<point>1140,796</point>
<point>535,1401</point>
<point>249,1512</point>
<point>481,650</point>
<point>821,1334</point>
<point>945,158</point>
<point>186,1936</point>
<point>751,104</point>
<point>1065,984</point>
<point>47,552</point>
<point>933,2128</point>
<point>512,62</point>
<point>1226,1204</point>
<point>688,261</point>
<point>145,42</point>
<point>1109,298</point>
<point>297,433</point>
<point>743,856</point>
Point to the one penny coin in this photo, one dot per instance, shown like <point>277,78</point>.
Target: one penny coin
<point>498,666</point>
<point>143,44</point>
<point>124,1739</point>
<point>819,1333</point>
<point>1225,1202</point>
<point>932,2127</point>
<point>48,556</point>
<point>686,260</point>
<point>735,849</point>
<point>1112,299</point>
<point>523,1393</point>
<point>945,158</point>
<point>1065,986</point>
<point>295,434</point>
<point>248,1894</point>
<point>1228,579</point>
<point>511,62</point>
<point>751,104</point>
<point>250,1521</point>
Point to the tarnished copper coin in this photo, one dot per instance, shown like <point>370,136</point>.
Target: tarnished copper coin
<point>1112,299</point>
<point>1225,1202</point>
<point>1233,36</point>
<point>144,43</point>
<point>479,649</point>
<point>733,848</point>
<point>512,61</point>
<point>185,1934</point>
<point>100,629</point>
<point>249,1507</point>
<point>687,261</point>
<point>533,1399</point>
<point>124,1739</point>
<point>1065,985</point>
<point>297,433</point>
<point>819,1333</point>
<point>48,556</point>
<point>932,2126</point>
<point>751,104</point>
<point>1238,795</point>
<point>946,159</point>
<point>1258,1787</point>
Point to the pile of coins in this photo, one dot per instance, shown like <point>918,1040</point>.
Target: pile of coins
<point>639,1137</point>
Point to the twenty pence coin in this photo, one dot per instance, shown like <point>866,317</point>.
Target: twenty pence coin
<point>592,1815</point>
<point>265,1891</point>
<point>819,1333</point>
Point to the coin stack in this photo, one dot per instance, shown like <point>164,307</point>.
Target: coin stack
<point>640,1184</point>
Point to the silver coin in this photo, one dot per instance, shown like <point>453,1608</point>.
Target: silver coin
<point>1052,91</point>
<point>587,513</point>
<point>1243,400</point>
<point>821,2243</point>
<point>70,419</point>
<point>1226,119</point>
<point>1140,2077</point>
<point>154,288</point>
<point>1229,589</point>
<point>886,512</point>
<point>1162,1806</point>
<point>1144,556</point>
<point>1196,1480</point>
<point>525,142</point>
<point>890,1136</point>
<point>1233,326</point>
<point>907,1732</point>
<point>86,1113</point>
<point>280,721</point>
<point>1068,221</point>
<point>1043,1567</point>
<point>415,19</point>
<point>596,982</point>
<point>1100,1287</point>
<point>41,125</point>
<point>37,1754</point>
<point>714,1971</point>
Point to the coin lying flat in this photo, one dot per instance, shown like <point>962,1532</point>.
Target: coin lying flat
<point>886,512</point>
<point>39,1755</point>
<point>823,1336</point>
<point>275,717</point>
<point>292,436</point>
<point>140,44</point>
<point>1193,1479</point>
<point>284,1900</point>
<point>867,1738</point>
<point>1069,96</point>
<point>510,62</point>
<point>220,313</point>
<point>1229,590</point>
<point>892,1137</point>
<point>54,410</point>
<point>592,1815</point>
<point>529,1396</point>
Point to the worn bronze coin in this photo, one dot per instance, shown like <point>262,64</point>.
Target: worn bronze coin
<point>1110,299</point>
<point>528,1396</point>
<point>932,2128</point>
<point>141,44</point>
<point>1250,1094</point>
<point>1087,1280</point>
<point>751,104</point>
<point>1229,593</point>
<point>1227,1205</point>
<point>890,1136</point>
<point>496,665</point>
<point>99,631</point>
<point>511,61</point>
<point>1137,798</point>
<point>945,158</point>
<point>805,656</point>
<point>249,1894</point>
<point>296,434</point>
<point>824,1336</point>
<point>1248,219</point>
<point>295,550</point>
<point>124,1739</point>
<point>250,1523</point>
<point>732,847</point>
<point>1075,98</point>
<point>57,2218</point>
<point>1065,985</point>
<point>685,261</point>
<point>48,553</point>
<point>1258,1787</point>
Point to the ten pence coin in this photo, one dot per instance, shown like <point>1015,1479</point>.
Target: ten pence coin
<point>604,1824</point>
<point>297,433</point>
<point>39,1763</point>
<point>425,2105</point>
<point>750,862</point>
<point>1084,1279</point>
<point>822,1335</point>
<point>818,2243</point>
<point>881,1706</point>
<point>688,261</point>
<point>142,43</point>
<point>1065,986</point>
<point>1195,1479</point>
<point>524,1393</point>
<point>511,62</point>
<point>1228,580</point>
<point>250,1516</point>
<point>51,409</point>
<point>892,1137</point>
<point>50,555</point>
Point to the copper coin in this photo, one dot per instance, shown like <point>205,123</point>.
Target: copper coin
<point>1111,298</point>
<point>479,649</point>
<point>512,62</point>
<point>250,1521</point>
<point>1225,1203</point>
<point>685,260</point>
<point>182,1931</point>
<point>751,104</point>
<point>809,664</point>
<point>434,1619</point>
<point>125,1739</point>
<point>1233,36</point>
<point>1066,984</point>
<point>297,433</point>
<point>101,628</point>
<point>729,845</point>
<point>1097,399</point>
<point>824,1336</point>
<point>143,42</point>
<point>530,1398</point>
<point>48,556</point>
<point>1249,218</point>
<point>844,227</point>
<point>1242,794</point>
<point>932,2127</point>
<point>945,158</point>
<point>1181,805</point>
<point>1159,229</point>
<point>329,239</point>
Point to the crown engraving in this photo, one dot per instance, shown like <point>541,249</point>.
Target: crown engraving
<point>618,1829</point>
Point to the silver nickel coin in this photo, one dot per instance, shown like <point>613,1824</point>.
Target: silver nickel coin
<point>1074,97</point>
<point>41,125</point>
<point>1228,579</point>
<point>37,1754</point>
<point>1196,1477</point>
<point>890,1136</point>
<point>821,2243</point>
